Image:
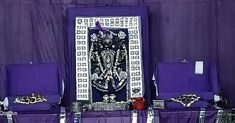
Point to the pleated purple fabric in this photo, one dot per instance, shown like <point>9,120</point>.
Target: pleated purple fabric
<point>189,116</point>
<point>35,31</point>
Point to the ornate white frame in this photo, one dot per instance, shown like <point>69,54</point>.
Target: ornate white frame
<point>136,78</point>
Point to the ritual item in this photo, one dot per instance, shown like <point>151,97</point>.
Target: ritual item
<point>33,87</point>
<point>187,84</point>
<point>138,103</point>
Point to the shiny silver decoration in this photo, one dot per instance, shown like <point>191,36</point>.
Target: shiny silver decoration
<point>121,35</point>
<point>158,104</point>
<point>105,98</point>
<point>62,115</point>
<point>134,116</point>
<point>77,117</point>
<point>155,84</point>
<point>133,74</point>
<point>231,116</point>
<point>33,99</point>
<point>77,109</point>
<point>100,106</point>
<point>186,100</point>
<point>9,117</point>
<point>107,62</point>
<point>219,116</point>
<point>150,116</point>
<point>202,115</point>
<point>1,105</point>
<point>81,45</point>
<point>112,98</point>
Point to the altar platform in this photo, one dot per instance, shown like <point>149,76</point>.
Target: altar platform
<point>160,116</point>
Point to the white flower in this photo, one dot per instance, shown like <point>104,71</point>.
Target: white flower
<point>94,37</point>
<point>121,35</point>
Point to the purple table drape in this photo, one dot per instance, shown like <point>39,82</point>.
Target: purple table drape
<point>107,117</point>
<point>35,30</point>
<point>36,118</point>
<point>3,119</point>
<point>187,116</point>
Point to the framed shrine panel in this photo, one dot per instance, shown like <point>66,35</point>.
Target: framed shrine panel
<point>107,46</point>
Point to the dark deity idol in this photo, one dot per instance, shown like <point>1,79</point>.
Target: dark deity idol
<point>108,62</point>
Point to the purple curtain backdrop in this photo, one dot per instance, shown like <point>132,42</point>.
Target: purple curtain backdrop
<point>35,30</point>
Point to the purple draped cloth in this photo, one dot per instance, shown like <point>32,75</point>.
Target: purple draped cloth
<point>170,116</point>
<point>186,116</point>
<point>178,78</point>
<point>35,30</point>
<point>3,119</point>
<point>40,79</point>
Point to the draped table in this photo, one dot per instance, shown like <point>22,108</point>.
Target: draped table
<point>162,116</point>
